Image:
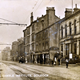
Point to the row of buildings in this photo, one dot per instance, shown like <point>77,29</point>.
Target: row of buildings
<point>49,38</point>
<point>16,52</point>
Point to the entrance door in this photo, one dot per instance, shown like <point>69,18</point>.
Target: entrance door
<point>67,49</point>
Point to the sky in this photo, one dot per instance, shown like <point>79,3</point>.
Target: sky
<point>19,11</point>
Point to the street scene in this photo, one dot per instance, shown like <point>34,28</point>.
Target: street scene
<point>39,40</point>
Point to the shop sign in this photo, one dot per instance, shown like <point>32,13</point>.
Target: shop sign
<point>70,55</point>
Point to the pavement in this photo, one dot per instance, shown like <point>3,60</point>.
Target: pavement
<point>7,74</point>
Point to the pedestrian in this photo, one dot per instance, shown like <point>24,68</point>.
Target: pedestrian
<point>52,62</point>
<point>58,61</point>
<point>66,63</point>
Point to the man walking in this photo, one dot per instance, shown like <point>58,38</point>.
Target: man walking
<point>66,63</point>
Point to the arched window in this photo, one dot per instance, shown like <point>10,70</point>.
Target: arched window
<point>70,28</point>
<point>74,26</point>
<point>65,30</point>
<point>61,31</point>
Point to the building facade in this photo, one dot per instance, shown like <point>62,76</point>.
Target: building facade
<point>21,48</point>
<point>41,37</point>
<point>6,54</point>
<point>29,40</point>
<point>70,33</point>
<point>14,51</point>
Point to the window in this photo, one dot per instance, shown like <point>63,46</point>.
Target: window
<point>28,30</point>
<point>61,47</point>
<point>43,46</point>
<point>75,48</point>
<point>46,33</point>
<point>47,44</point>
<point>32,28</point>
<point>42,24</point>
<point>28,39</point>
<point>61,31</point>
<point>70,28</point>
<point>74,26</point>
<point>36,46</point>
<point>67,49</point>
<point>32,37</point>
<point>43,35</point>
<point>39,46</point>
<point>32,47</point>
<point>65,30</point>
<point>79,24</point>
<point>28,48</point>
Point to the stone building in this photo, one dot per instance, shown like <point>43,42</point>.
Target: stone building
<point>41,37</point>
<point>70,33</point>
<point>46,36</point>
<point>14,51</point>
<point>21,48</point>
<point>29,40</point>
<point>6,54</point>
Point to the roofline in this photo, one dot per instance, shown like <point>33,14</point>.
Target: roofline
<point>65,18</point>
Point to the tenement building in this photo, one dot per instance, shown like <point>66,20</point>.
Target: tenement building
<point>41,37</point>
<point>70,33</point>
<point>29,40</point>
<point>21,53</point>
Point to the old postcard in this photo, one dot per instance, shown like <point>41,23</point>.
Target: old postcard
<point>39,39</point>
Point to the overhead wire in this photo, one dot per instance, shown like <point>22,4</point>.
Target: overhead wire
<point>12,23</point>
<point>39,5</point>
<point>32,8</point>
<point>29,13</point>
<point>7,20</point>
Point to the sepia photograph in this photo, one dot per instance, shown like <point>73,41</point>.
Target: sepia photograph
<point>39,39</point>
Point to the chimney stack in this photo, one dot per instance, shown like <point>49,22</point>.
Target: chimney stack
<point>75,5</point>
<point>31,17</point>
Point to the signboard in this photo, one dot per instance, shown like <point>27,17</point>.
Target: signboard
<point>70,55</point>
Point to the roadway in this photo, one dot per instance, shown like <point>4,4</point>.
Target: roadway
<point>17,71</point>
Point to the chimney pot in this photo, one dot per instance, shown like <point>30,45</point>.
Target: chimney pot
<point>75,5</point>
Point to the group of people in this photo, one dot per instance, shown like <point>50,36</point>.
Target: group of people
<point>54,62</point>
